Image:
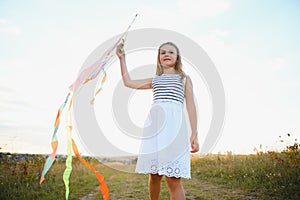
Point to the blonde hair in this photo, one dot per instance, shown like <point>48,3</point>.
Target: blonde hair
<point>178,64</point>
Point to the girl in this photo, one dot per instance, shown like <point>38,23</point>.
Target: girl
<point>165,146</point>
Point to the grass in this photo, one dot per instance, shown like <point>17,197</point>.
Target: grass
<point>262,176</point>
<point>19,179</point>
<point>268,175</point>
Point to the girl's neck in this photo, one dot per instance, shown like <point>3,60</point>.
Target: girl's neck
<point>169,70</point>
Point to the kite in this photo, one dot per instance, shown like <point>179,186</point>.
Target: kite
<point>84,77</point>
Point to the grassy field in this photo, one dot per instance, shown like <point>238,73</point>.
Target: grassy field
<point>269,175</point>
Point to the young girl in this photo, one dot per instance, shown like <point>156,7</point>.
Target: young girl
<point>165,146</point>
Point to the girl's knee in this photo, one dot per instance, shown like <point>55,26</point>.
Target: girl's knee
<point>173,182</point>
<point>155,177</point>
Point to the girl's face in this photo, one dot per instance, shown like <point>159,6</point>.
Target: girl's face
<point>167,56</point>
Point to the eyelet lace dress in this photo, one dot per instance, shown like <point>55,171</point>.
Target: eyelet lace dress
<point>165,145</point>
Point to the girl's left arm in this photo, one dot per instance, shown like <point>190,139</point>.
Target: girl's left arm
<point>192,113</point>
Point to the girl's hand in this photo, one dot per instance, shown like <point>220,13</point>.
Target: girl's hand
<point>194,145</point>
<point>120,50</point>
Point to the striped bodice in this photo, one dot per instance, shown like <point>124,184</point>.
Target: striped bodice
<point>168,87</point>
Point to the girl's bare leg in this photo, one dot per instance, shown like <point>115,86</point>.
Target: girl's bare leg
<point>154,186</point>
<point>175,188</point>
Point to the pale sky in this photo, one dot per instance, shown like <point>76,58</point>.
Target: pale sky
<point>254,45</point>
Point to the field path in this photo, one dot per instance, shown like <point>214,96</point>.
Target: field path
<point>90,195</point>
<point>195,189</point>
<point>96,190</point>
<point>133,186</point>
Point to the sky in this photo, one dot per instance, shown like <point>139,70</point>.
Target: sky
<point>254,45</point>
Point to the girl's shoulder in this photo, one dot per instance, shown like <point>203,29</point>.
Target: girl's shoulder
<point>187,77</point>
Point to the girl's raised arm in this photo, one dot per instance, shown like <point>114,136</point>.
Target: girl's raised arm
<point>128,82</point>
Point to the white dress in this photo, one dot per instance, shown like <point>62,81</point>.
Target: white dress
<point>165,145</point>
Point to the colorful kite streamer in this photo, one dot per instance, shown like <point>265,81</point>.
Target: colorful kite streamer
<point>85,76</point>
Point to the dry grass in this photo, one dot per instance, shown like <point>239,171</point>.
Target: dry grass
<point>269,175</point>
